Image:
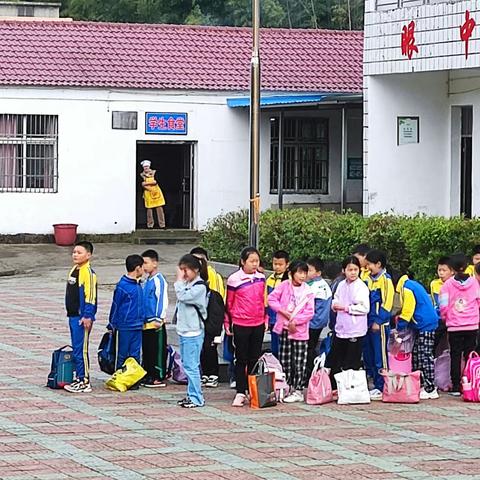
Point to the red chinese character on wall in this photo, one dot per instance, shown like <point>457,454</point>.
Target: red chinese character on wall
<point>162,123</point>
<point>466,31</point>
<point>180,124</point>
<point>171,123</point>
<point>152,122</point>
<point>408,40</point>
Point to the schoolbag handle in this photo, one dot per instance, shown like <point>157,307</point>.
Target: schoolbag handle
<point>64,347</point>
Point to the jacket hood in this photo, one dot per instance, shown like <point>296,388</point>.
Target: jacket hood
<point>401,283</point>
<point>462,285</point>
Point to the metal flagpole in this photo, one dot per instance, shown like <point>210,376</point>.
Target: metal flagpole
<point>255,127</point>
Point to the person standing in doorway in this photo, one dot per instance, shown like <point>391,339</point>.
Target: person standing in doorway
<point>152,195</point>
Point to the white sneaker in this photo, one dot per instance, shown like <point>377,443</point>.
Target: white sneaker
<point>433,395</point>
<point>375,394</point>
<point>239,400</point>
<point>233,384</point>
<point>79,387</point>
<point>295,396</point>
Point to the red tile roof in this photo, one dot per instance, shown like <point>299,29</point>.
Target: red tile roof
<point>139,56</point>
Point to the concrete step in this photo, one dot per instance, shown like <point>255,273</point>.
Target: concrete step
<point>168,236</point>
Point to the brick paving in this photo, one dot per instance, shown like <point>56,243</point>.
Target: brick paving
<point>50,434</point>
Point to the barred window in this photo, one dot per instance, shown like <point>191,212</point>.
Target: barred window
<point>28,153</point>
<point>305,155</point>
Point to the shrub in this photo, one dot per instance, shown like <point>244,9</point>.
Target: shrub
<point>412,243</point>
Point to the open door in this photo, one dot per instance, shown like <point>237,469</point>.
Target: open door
<point>173,163</point>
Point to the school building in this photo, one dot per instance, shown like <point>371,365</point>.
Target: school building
<point>422,107</point>
<point>82,103</point>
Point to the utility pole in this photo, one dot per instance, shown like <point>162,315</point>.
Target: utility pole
<point>255,128</point>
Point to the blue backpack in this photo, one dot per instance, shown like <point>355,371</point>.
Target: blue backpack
<point>106,353</point>
<point>61,372</point>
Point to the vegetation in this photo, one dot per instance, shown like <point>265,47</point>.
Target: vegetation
<point>412,243</point>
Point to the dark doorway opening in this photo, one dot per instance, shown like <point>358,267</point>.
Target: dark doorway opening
<point>466,162</point>
<point>173,163</point>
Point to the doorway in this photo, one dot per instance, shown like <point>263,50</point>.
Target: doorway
<point>173,163</point>
<point>466,161</point>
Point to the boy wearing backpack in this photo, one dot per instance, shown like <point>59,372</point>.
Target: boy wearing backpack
<point>215,308</point>
<point>154,335</point>
<point>81,306</point>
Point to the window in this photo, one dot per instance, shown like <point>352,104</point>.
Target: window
<point>28,153</point>
<point>124,120</point>
<point>305,155</point>
<point>26,11</point>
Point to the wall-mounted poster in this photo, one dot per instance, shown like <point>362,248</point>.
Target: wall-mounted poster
<point>408,130</point>
<point>355,168</point>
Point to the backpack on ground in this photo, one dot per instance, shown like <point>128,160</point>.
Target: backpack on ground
<point>471,388</point>
<point>175,369</point>
<point>271,364</point>
<point>319,389</point>
<point>106,353</point>
<point>215,311</point>
<point>61,372</point>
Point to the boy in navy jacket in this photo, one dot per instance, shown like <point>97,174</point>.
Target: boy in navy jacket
<point>154,342</point>
<point>127,315</point>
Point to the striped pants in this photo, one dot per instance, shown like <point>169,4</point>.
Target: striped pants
<point>423,358</point>
<point>80,336</point>
<point>293,357</point>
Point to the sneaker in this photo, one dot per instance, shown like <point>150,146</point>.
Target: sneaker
<point>78,387</point>
<point>433,395</point>
<point>233,384</point>
<point>204,379</point>
<point>190,404</point>
<point>375,394</point>
<point>455,394</point>
<point>295,396</point>
<point>239,400</point>
<point>155,384</point>
<point>182,401</point>
<point>212,381</point>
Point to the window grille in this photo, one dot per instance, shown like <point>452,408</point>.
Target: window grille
<point>28,153</point>
<point>305,155</point>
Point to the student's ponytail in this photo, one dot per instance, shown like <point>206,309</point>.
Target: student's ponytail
<point>195,263</point>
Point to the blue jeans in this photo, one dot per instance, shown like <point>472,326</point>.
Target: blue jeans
<point>190,350</point>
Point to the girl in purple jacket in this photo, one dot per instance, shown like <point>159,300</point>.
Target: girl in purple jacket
<point>294,303</point>
<point>352,304</point>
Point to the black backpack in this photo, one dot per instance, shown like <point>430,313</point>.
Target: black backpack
<point>215,312</point>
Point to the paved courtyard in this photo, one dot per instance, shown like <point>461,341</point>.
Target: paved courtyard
<point>50,434</point>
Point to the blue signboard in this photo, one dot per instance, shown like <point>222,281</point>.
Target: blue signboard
<point>166,123</point>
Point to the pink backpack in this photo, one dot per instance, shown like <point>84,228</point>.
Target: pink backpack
<point>471,387</point>
<point>319,389</point>
<point>401,388</point>
<point>271,364</point>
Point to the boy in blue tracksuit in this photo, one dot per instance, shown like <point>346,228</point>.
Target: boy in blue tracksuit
<point>323,303</point>
<point>81,306</point>
<point>280,264</point>
<point>127,315</point>
<point>419,314</point>
<point>382,293</point>
<point>154,336</point>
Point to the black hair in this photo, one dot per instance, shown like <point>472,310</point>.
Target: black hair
<point>195,263</point>
<point>361,249</point>
<point>459,262</point>
<point>88,246</point>
<point>445,260</point>
<point>132,262</point>
<point>199,251</point>
<point>152,254</point>
<point>245,253</point>
<point>376,256</point>
<point>281,254</point>
<point>332,270</point>
<point>297,265</point>
<point>352,259</point>
<point>476,250</point>
<point>477,268</point>
<point>317,263</point>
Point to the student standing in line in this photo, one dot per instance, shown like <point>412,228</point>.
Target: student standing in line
<point>81,306</point>
<point>246,318</point>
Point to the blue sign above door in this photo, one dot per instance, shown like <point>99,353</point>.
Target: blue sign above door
<point>166,123</point>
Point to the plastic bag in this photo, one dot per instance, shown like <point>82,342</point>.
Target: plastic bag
<point>127,376</point>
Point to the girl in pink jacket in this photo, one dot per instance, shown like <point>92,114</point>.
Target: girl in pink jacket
<point>246,317</point>
<point>459,307</point>
<point>352,304</point>
<point>294,303</point>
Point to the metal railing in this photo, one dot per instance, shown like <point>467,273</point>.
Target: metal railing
<point>28,153</point>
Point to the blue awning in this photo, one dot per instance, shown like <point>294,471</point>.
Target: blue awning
<point>292,99</point>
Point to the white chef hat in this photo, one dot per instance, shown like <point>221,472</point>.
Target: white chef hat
<point>145,163</point>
